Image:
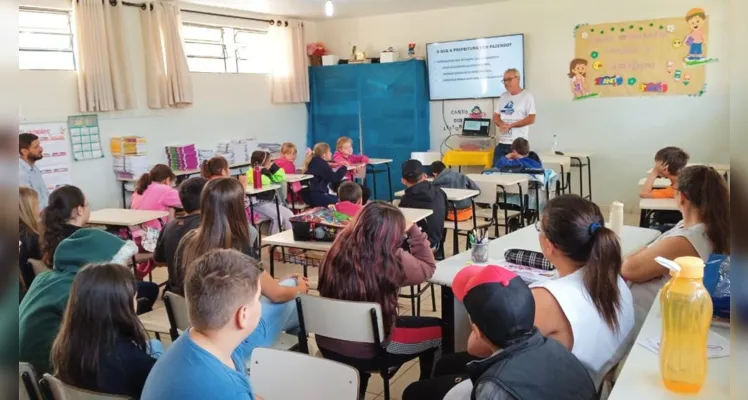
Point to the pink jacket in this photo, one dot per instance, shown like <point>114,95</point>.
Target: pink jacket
<point>340,158</point>
<point>157,197</point>
<point>289,168</point>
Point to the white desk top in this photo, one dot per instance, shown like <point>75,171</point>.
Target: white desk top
<point>659,183</point>
<point>721,168</point>
<point>499,179</point>
<point>379,161</point>
<point>124,216</point>
<point>577,154</point>
<point>415,214</point>
<point>188,172</point>
<point>251,191</point>
<point>452,194</point>
<point>291,178</point>
<point>633,239</point>
<point>550,160</point>
<point>641,379</point>
<point>285,239</point>
<point>658,204</point>
<point>156,320</point>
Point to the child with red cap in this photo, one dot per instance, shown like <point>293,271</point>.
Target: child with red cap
<point>521,363</point>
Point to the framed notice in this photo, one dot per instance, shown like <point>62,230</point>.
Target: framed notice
<point>85,139</point>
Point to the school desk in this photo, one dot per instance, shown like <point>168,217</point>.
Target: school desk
<point>294,178</point>
<point>659,183</point>
<point>647,206</point>
<point>505,182</point>
<point>456,327</point>
<point>373,162</point>
<point>252,192</point>
<point>560,164</point>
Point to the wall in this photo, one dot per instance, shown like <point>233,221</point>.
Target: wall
<point>226,106</point>
<point>623,133</point>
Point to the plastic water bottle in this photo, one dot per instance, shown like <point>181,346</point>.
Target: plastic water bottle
<point>615,220</point>
<point>686,316</point>
<point>554,148</point>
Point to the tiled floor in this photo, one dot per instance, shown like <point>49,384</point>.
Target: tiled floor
<point>410,371</point>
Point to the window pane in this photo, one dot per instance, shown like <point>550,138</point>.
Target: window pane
<point>202,33</point>
<point>259,65</point>
<point>203,50</point>
<point>44,21</point>
<point>44,41</point>
<point>46,60</point>
<point>206,65</point>
<point>249,37</point>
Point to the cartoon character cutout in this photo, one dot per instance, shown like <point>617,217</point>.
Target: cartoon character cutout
<point>476,112</point>
<point>411,50</point>
<point>696,18</point>
<point>578,75</point>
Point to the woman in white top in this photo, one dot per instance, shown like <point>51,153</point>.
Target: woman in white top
<point>704,201</point>
<point>588,308</point>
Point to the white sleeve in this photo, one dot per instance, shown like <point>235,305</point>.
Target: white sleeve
<point>530,104</point>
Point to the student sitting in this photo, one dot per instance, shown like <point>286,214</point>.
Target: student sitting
<point>588,308</point>
<point>218,167</point>
<point>287,162</point>
<point>66,212</point>
<point>520,159</point>
<point>420,193</point>
<point>366,263</point>
<point>223,226</point>
<point>704,201</point>
<point>189,195</point>
<point>453,179</point>
<point>41,310</point>
<point>102,345</point>
<point>317,164</point>
<point>154,192</point>
<point>350,196</point>
<point>668,164</point>
<point>207,361</point>
<point>28,234</point>
<point>344,156</point>
<point>512,359</point>
<point>264,203</point>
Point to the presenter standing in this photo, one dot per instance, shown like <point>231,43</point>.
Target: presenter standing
<point>514,114</point>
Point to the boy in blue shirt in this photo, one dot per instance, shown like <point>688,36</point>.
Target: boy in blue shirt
<point>207,361</point>
<point>520,159</point>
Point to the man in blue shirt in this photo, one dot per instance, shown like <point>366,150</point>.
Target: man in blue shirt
<point>30,151</point>
<point>222,289</point>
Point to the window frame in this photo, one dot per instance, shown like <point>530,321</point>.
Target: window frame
<point>70,34</point>
<point>222,43</point>
<point>231,48</point>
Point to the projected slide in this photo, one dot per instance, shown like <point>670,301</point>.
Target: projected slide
<point>474,68</point>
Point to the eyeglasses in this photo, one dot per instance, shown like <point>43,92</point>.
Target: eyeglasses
<point>505,80</point>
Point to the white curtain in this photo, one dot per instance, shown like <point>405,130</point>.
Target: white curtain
<point>290,77</point>
<point>103,73</point>
<point>168,80</point>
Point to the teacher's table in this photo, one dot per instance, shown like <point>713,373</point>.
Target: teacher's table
<point>492,183</point>
<point>454,317</point>
<point>640,377</point>
<point>285,239</point>
<point>649,205</point>
<point>560,164</point>
<point>467,158</point>
<point>373,162</point>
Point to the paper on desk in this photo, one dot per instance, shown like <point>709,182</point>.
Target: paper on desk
<point>528,274</point>
<point>716,347</point>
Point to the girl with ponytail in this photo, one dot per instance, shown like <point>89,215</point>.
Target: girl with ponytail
<point>218,167</point>
<point>704,201</point>
<point>317,164</point>
<point>154,192</point>
<point>588,308</point>
<point>66,212</point>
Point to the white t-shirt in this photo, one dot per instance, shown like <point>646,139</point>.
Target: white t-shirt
<point>645,293</point>
<point>513,108</point>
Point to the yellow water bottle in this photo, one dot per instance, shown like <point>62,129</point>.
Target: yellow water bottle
<point>686,316</point>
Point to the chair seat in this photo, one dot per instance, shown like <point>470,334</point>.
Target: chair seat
<point>486,213</point>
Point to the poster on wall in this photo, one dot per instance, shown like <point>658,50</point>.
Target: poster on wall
<point>55,165</point>
<point>655,57</point>
<point>456,111</point>
<point>84,137</point>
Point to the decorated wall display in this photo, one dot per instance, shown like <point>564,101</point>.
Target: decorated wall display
<point>654,57</point>
<point>456,111</point>
<point>84,137</point>
<point>55,165</point>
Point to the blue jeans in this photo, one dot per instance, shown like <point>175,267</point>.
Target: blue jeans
<point>500,151</point>
<point>275,318</point>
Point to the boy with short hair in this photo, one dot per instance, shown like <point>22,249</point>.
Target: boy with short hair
<point>420,193</point>
<point>350,199</point>
<point>514,360</point>
<point>453,179</point>
<point>189,194</point>
<point>669,161</point>
<point>520,158</point>
<point>207,361</point>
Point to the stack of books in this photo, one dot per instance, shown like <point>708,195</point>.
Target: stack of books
<point>182,157</point>
<point>129,156</point>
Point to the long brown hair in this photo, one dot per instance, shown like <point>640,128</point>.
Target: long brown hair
<point>158,173</point>
<point>62,202</point>
<point>100,311</point>
<point>214,167</point>
<point>223,221</point>
<point>574,63</point>
<point>577,228</point>
<point>28,209</point>
<point>362,264</point>
<point>707,191</point>
<point>318,151</point>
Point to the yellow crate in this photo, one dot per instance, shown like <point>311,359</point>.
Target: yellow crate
<point>465,158</point>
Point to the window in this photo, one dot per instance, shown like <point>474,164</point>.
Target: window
<point>45,40</point>
<point>225,50</point>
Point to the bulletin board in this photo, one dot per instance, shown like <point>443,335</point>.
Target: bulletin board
<point>655,57</point>
<point>85,139</point>
<point>55,165</point>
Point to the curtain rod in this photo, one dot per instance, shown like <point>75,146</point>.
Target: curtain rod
<point>269,21</point>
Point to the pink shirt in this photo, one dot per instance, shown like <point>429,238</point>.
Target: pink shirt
<point>340,158</point>
<point>157,197</point>
<point>348,208</point>
<point>289,168</point>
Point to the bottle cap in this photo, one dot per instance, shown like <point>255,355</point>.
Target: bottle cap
<point>691,267</point>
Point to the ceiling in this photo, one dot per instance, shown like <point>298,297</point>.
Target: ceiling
<point>315,9</point>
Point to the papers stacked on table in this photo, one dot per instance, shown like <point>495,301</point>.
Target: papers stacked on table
<point>129,156</point>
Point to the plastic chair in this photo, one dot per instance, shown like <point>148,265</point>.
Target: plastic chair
<point>312,377</point>
<point>176,311</point>
<point>55,389</point>
<point>28,383</point>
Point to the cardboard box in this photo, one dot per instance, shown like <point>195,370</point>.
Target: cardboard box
<point>388,57</point>
<point>330,59</point>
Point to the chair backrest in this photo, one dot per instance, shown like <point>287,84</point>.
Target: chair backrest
<point>339,319</point>
<point>28,383</point>
<point>176,310</point>
<point>57,390</point>
<point>488,193</point>
<point>281,375</point>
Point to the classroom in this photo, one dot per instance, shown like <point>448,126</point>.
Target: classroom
<point>218,198</point>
